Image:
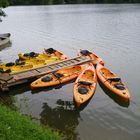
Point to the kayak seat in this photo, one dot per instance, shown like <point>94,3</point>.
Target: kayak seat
<point>83,90</point>
<point>119,86</point>
<point>50,50</point>
<point>46,79</point>
<point>58,75</point>
<point>33,54</point>
<point>115,79</point>
<point>10,64</point>
<point>85,83</point>
<point>84,52</point>
<point>17,62</point>
<point>26,54</point>
<point>6,71</point>
<point>20,63</point>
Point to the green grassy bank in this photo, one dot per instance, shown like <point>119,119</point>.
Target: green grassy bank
<point>14,126</point>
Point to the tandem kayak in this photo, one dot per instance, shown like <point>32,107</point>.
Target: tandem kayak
<point>53,52</point>
<point>48,54</point>
<point>57,77</point>
<point>85,85</point>
<point>13,67</point>
<point>111,81</point>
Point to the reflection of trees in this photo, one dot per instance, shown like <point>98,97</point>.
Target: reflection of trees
<point>4,3</point>
<point>7,100</point>
<point>63,118</point>
<point>15,90</point>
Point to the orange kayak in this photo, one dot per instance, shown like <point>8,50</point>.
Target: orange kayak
<point>53,52</point>
<point>85,85</point>
<point>112,82</point>
<point>58,77</point>
<point>95,59</point>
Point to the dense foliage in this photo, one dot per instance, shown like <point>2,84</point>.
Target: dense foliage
<point>4,3</point>
<point>41,2</point>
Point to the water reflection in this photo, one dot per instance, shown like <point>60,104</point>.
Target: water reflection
<point>9,44</point>
<point>65,104</point>
<point>18,89</point>
<point>64,118</point>
<point>113,96</point>
<point>7,100</point>
<point>60,102</point>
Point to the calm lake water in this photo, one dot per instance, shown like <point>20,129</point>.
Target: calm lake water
<point>112,32</point>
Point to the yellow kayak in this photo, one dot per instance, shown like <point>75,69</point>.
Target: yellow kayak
<point>32,55</point>
<point>26,56</point>
<point>18,68</point>
<point>32,60</point>
<point>13,67</point>
<point>40,62</point>
<point>49,53</point>
<point>35,62</point>
<point>6,66</point>
<point>53,52</point>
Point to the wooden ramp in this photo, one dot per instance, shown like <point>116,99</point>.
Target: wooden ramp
<point>8,80</point>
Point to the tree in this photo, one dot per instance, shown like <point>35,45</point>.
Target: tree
<point>50,2</point>
<point>4,3</point>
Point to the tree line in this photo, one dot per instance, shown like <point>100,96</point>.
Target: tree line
<point>4,3</point>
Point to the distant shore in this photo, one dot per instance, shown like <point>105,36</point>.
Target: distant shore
<point>5,3</point>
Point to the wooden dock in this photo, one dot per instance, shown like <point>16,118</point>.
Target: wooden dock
<point>9,80</point>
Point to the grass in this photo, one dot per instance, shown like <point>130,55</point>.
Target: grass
<point>14,126</point>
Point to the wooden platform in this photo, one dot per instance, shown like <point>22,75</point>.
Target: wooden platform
<point>8,80</point>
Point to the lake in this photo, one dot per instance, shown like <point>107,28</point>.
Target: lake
<point>112,32</point>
